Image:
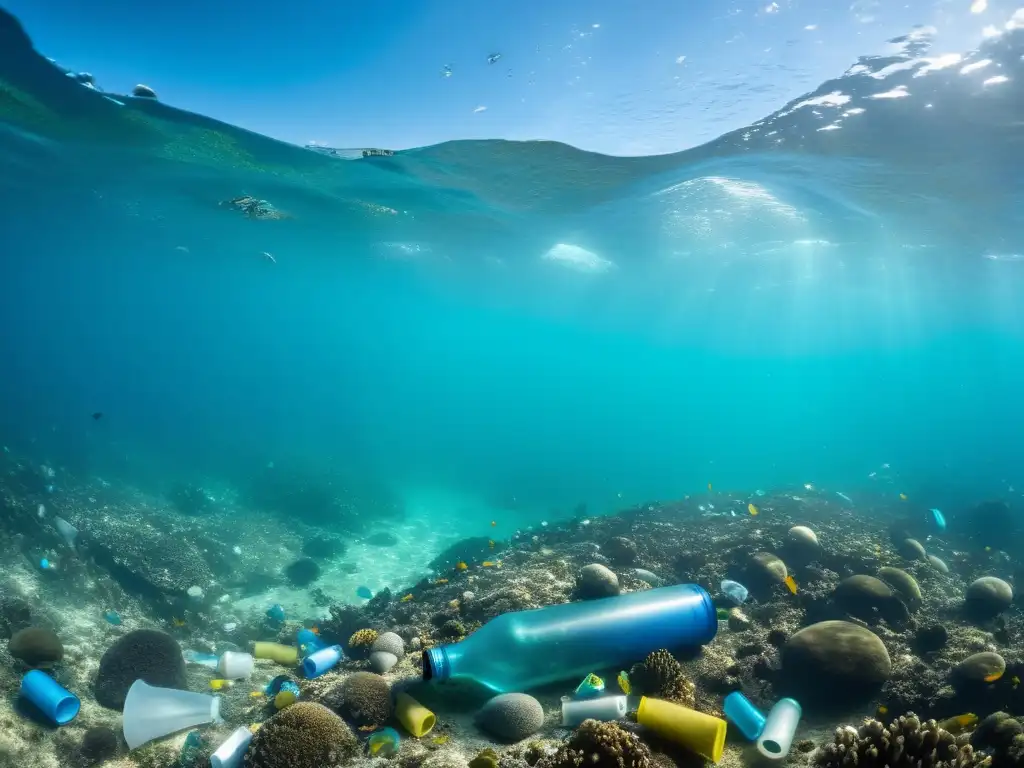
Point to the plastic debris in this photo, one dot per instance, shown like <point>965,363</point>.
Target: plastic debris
<point>197,657</point>
<point>494,57</point>
<point>112,617</point>
<point>734,591</point>
<point>591,687</point>
<point>364,592</point>
<point>67,531</point>
<point>939,519</point>
<point>383,743</point>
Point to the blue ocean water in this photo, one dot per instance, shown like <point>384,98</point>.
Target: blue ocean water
<point>507,330</point>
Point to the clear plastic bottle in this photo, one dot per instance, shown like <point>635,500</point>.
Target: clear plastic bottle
<point>523,650</point>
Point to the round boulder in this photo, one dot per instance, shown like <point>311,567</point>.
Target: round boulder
<point>768,568</point>
<point>987,597</point>
<point>911,549</point>
<point>597,580</point>
<point>141,91</point>
<point>621,550</point>
<point>511,716</point>
<point>835,662</point>
<point>868,598</point>
<point>978,669</point>
<point>803,536</point>
<point>905,586</point>
<point>938,564</point>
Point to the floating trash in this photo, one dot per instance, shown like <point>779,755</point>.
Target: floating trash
<point>843,496</point>
<point>494,57</point>
<point>939,519</point>
<point>734,591</point>
<point>112,617</point>
<point>383,743</point>
<point>198,657</point>
<point>591,686</point>
<point>364,592</point>
<point>446,70</point>
<point>46,564</point>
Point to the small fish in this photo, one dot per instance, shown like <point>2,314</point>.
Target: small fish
<point>752,510</point>
<point>624,684</point>
<point>112,617</point>
<point>493,523</point>
<point>217,685</point>
<point>903,497</point>
<point>1014,682</point>
<point>97,416</point>
<point>256,694</point>
<point>994,676</point>
<point>178,622</point>
<point>269,258</point>
<point>709,486</point>
<point>364,592</point>
<point>487,564</point>
<point>959,723</point>
<point>406,599</point>
<point>315,630</point>
<point>882,710</point>
<point>441,581</point>
<point>490,543</point>
<point>790,583</point>
<point>461,566</point>
<point>442,739</point>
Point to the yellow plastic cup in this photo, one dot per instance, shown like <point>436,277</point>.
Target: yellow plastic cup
<point>696,731</point>
<point>414,717</point>
<point>282,654</point>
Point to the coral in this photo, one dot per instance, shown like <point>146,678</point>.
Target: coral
<point>144,654</point>
<point>98,744</point>
<point>511,716</point>
<point>389,642</point>
<point>596,580</point>
<point>911,549</point>
<point>381,662</point>
<point>865,597</point>
<point>621,550</point>
<point>302,572</point>
<point>305,735</point>
<point>363,697</point>
<point>486,758</point>
<point>905,742</point>
<point>344,621</point>
<point>661,676</point>
<point>453,629</point>
<point>361,642</point>
<point>36,646</point>
<point>600,745</point>
<point>905,586</point>
<point>931,638</point>
<point>978,669</point>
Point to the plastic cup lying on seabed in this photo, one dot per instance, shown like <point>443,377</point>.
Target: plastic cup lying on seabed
<point>234,665</point>
<point>152,713</point>
<point>779,728</point>
<point>605,708</point>
<point>321,661</point>
<point>744,715</point>
<point>231,752</point>
<point>696,731</point>
<point>52,699</point>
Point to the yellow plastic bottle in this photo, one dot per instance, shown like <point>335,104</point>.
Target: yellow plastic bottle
<point>282,654</point>
<point>696,731</point>
<point>414,717</point>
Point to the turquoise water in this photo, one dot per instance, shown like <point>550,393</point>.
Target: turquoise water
<point>507,330</point>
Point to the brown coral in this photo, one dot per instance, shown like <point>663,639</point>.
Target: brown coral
<point>362,641</point>
<point>905,742</point>
<point>305,735</point>
<point>661,676</point>
<point>600,745</point>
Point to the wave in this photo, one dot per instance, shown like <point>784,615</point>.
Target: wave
<point>921,142</point>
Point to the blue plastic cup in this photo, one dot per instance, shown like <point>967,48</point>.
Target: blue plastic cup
<point>51,698</point>
<point>308,642</point>
<point>321,661</point>
<point>744,715</point>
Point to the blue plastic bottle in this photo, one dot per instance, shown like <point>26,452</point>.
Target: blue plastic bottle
<point>523,650</point>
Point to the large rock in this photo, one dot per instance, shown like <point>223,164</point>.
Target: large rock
<point>597,581</point>
<point>835,662</point>
<point>145,560</point>
<point>869,598</point>
<point>905,586</point>
<point>987,597</point>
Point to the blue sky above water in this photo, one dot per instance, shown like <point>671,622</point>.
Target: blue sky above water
<point>598,74</point>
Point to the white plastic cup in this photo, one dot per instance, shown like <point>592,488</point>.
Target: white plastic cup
<point>152,713</point>
<point>232,750</point>
<point>234,665</point>
<point>575,711</point>
<point>779,728</point>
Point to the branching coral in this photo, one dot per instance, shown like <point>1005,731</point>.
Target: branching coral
<point>904,742</point>
<point>600,745</point>
<point>661,676</point>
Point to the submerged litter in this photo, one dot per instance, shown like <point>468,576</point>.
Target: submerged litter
<point>67,531</point>
<point>364,592</point>
<point>734,591</point>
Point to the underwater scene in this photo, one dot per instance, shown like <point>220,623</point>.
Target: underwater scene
<point>681,441</point>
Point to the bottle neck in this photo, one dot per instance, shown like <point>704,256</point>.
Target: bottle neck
<point>441,662</point>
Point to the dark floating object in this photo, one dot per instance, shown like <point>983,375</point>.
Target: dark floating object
<point>97,416</point>
<point>143,92</point>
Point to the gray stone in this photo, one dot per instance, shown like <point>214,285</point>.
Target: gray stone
<point>597,580</point>
<point>381,662</point>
